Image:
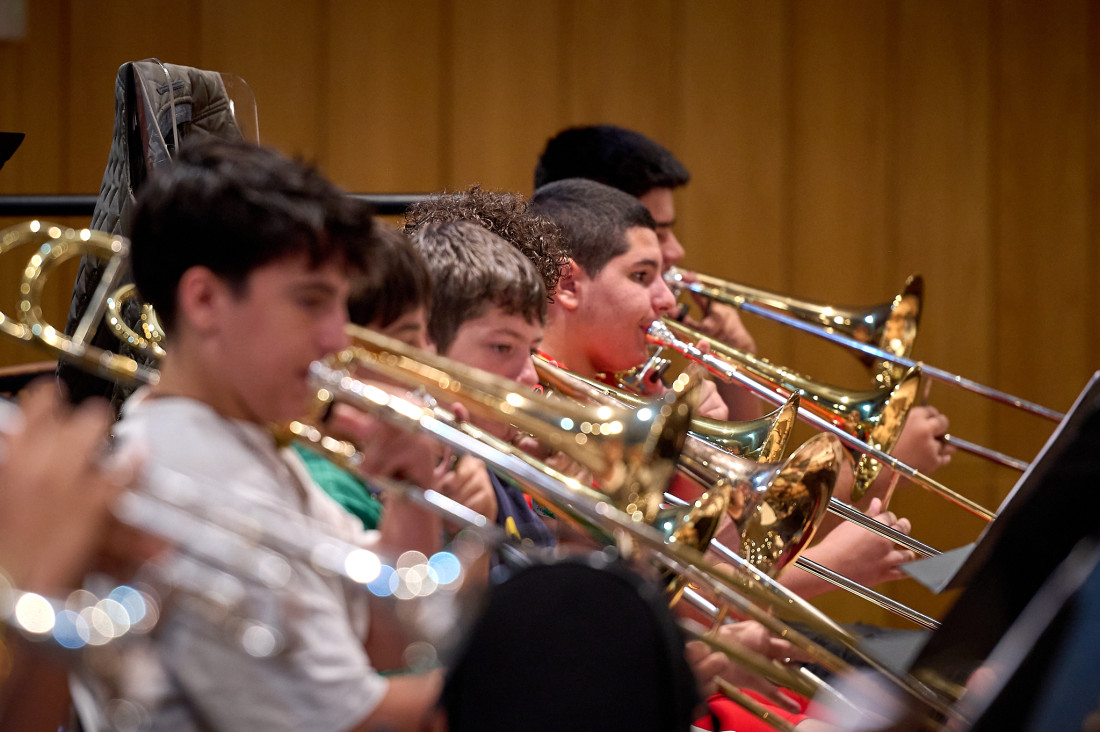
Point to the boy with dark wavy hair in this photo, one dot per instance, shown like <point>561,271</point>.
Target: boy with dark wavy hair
<point>246,256</point>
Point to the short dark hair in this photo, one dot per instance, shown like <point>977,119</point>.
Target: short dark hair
<point>473,270</point>
<point>396,281</point>
<point>611,155</point>
<point>233,207</point>
<point>593,217</point>
<point>505,214</point>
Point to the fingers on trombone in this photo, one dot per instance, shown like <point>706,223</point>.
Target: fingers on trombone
<point>709,665</point>
<point>895,559</point>
<point>387,450</point>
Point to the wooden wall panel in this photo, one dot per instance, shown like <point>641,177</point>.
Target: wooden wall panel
<point>36,109</point>
<point>842,89</point>
<point>619,64</point>
<point>1043,235</point>
<point>384,112</point>
<point>278,49</point>
<point>504,61</point>
<point>733,218</point>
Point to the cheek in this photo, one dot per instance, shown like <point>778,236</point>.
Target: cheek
<point>482,358</point>
<point>515,367</point>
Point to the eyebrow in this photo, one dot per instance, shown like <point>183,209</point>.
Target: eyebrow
<point>313,286</point>
<point>508,332</point>
<point>665,224</point>
<point>647,263</point>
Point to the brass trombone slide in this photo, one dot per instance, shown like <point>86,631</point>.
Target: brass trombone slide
<point>742,588</point>
<point>742,439</point>
<point>713,472</point>
<point>821,572</point>
<point>661,335</point>
<point>728,293</point>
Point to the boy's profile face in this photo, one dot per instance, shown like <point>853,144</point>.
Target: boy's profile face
<point>616,307</point>
<point>502,344</point>
<point>662,207</point>
<point>269,331</point>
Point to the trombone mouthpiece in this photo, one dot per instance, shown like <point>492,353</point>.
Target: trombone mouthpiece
<point>659,334</point>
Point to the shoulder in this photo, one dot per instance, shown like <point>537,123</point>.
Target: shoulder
<point>184,435</point>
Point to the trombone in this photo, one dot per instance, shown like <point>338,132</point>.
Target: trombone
<point>706,463</point>
<point>631,468</point>
<point>889,328</point>
<point>778,503</point>
<point>742,588</point>
<point>835,322</point>
<point>721,364</point>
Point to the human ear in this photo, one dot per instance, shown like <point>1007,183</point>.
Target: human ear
<point>200,296</point>
<point>570,286</point>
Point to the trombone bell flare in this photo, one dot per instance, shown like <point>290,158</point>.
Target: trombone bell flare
<point>874,417</point>
<point>891,326</point>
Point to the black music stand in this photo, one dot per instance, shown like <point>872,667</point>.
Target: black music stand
<point>9,143</point>
<point>1047,676</point>
<point>1053,509</point>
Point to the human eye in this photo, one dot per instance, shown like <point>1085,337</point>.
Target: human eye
<point>501,349</point>
<point>311,302</point>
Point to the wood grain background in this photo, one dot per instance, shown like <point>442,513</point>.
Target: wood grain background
<point>836,147</point>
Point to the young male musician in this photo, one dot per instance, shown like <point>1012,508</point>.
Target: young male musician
<point>609,293</point>
<point>483,305</point>
<point>611,290</point>
<point>392,297</point>
<point>633,163</point>
<point>246,257</point>
<point>488,309</point>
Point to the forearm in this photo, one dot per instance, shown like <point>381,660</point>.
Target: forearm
<point>406,526</point>
<point>801,582</point>
<point>743,404</point>
<point>409,705</point>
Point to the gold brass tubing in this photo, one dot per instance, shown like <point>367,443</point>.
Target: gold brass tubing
<point>756,708</point>
<point>677,280</point>
<point>763,440</point>
<point>63,245</point>
<point>835,578</point>
<point>891,326</point>
<point>768,668</point>
<point>724,369</point>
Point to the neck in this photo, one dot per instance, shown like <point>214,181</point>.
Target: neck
<point>568,351</point>
<point>186,373</point>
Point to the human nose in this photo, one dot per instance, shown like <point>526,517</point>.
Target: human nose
<point>663,299</point>
<point>333,334</point>
<point>671,250</point>
<point>528,376</point>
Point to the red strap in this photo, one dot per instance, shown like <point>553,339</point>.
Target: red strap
<point>731,717</point>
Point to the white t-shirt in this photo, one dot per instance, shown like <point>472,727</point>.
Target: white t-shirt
<point>322,678</point>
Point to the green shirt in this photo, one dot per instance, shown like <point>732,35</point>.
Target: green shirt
<point>346,489</point>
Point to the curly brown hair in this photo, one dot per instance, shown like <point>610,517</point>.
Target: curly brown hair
<point>504,214</point>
